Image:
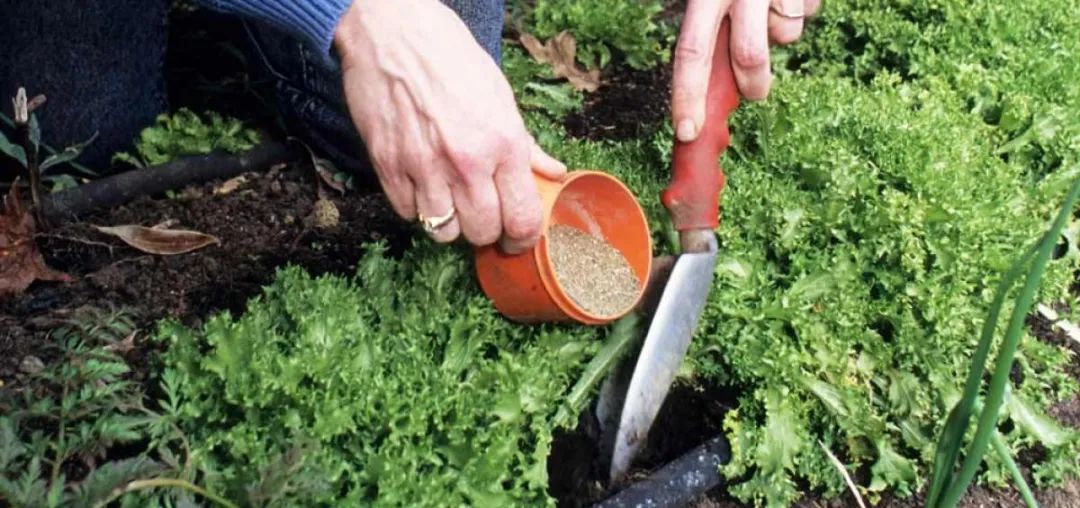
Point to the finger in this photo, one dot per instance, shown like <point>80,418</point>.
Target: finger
<point>692,63</point>
<point>519,200</point>
<point>433,199</point>
<point>545,164</point>
<point>750,47</point>
<point>786,20</point>
<point>811,7</point>
<point>399,190</point>
<point>478,207</point>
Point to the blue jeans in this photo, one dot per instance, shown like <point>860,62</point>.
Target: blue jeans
<point>100,66</point>
<point>310,97</point>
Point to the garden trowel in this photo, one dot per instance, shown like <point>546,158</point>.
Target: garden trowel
<point>633,393</point>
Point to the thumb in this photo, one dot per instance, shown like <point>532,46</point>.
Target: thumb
<point>545,164</point>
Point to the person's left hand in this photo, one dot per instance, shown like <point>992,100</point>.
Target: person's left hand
<point>754,25</point>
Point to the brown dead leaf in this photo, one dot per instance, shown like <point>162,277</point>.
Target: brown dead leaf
<point>20,261</point>
<point>560,52</point>
<point>165,224</point>
<point>230,185</point>
<point>161,241</point>
<point>124,346</point>
<point>326,172</point>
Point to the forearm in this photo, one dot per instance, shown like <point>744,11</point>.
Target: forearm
<point>312,21</point>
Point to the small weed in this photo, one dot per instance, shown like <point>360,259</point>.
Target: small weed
<point>186,133</point>
<point>606,29</point>
<point>536,88</point>
<point>61,426</point>
<point>27,147</point>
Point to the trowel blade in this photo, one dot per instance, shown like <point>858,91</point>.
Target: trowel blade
<point>662,353</point>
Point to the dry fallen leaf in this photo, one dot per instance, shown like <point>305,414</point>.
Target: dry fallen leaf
<point>326,172</point>
<point>20,261</point>
<point>230,185</point>
<point>560,51</point>
<point>124,346</point>
<point>160,240</point>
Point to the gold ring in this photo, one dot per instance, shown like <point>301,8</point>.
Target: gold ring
<point>432,224</point>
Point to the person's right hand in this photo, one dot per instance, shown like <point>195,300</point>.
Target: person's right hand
<point>440,122</point>
<point>754,25</point>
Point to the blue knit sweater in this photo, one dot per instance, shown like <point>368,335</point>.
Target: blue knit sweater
<point>312,21</point>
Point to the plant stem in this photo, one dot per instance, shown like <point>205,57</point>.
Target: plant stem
<point>165,482</point>
<point>957,423</point>
<point>61,456</point>
<point>988,418</point>
<point>1010,464</point>
<point>51,150</point>
<point>31,166</point>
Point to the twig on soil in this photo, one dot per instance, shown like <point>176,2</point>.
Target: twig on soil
<point>847,477</point>
<point>83,241</point>
<point>1071,330</point>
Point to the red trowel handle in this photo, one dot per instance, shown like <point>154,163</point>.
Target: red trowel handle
<point>693,196</point>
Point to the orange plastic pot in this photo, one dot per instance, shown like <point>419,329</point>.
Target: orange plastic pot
<point>523,287</point>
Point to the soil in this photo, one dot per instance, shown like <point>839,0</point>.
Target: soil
<point>595,274</point>
<point>629,104</point>
<point>263,225</point>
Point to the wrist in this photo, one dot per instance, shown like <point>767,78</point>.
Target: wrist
<point>347,32</point>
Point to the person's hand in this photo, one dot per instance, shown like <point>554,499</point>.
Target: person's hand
<point>440,122</point>
<point>754,25</point>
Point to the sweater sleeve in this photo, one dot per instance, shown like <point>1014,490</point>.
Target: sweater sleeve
<point>311,21</point>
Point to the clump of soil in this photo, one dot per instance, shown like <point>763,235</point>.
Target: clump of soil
<point>595,274</point>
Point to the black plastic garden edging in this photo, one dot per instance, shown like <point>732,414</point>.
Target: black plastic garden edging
<point>118,189</point>
<point>678,482</point>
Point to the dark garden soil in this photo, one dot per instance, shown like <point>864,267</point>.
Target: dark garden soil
<point>629,104</point>
<point>261,226</point>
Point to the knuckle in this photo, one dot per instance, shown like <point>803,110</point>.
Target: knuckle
<point>751,56</point>
<point>685,97</point>
<point>465,157</point>
<point>523,226</point>
<point>484,235</point>
<point>691,51</point>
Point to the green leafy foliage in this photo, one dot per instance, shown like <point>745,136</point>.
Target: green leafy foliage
<point>55,158</point>
<point>67,418</point>
<point>535,88</point>
<point>406,385</point>
<point>908,153</point>
<point>1014,63</point>
<point>868,235</point>
<point>185,133</point>
<point>607,29</point>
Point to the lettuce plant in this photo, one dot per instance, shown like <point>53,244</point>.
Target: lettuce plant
<point>393,387</point>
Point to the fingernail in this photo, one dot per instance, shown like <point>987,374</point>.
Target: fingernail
<point>686,130</point>
<point>511,248</point>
